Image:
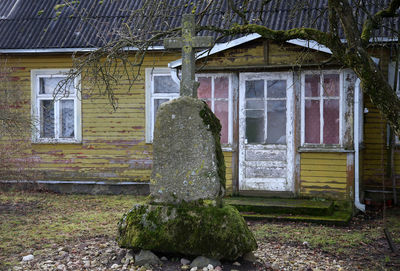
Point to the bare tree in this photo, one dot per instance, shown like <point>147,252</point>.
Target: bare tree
<point>15,127</point>
<point>351,30</point>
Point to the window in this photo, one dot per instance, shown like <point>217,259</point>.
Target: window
<point>55,107</point>
<point>160,88</point>
<point>216,91</point>
<point>321,108</point>
<point>265,102</point>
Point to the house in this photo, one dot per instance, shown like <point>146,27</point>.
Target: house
<point>292,127</point>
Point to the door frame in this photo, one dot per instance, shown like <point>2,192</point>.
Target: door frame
<point>290,124</point>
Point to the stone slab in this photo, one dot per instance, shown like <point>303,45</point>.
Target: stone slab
<point>188,164</point>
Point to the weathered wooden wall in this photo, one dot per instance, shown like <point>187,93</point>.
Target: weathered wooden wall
<point>375,152</point>
<point>262,54</point>
<point>113,144</point>
<point>323,175</point>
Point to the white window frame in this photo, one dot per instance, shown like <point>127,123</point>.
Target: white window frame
<point>35,106</point>
<point>230,100</point>
<point>151,96</point>
<point>321,98</point>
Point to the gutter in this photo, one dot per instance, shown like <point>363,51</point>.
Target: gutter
<point>357,202</point>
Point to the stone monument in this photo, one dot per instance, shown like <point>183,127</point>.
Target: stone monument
<point>185,213</point>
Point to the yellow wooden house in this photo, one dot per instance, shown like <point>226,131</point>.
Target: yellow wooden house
<point>291,127</point>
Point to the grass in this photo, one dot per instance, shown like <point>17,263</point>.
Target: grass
<point>34,221</point>
<point>329,239</point>
<point>31,222</point>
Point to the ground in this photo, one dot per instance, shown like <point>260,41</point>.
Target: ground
<point>77,232</point>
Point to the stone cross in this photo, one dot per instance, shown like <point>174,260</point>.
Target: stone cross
<point>188,42</point>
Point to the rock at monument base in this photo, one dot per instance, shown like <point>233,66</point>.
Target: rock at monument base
<point>189,229</point>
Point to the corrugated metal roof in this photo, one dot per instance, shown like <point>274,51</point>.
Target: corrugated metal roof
<point>33,24</point>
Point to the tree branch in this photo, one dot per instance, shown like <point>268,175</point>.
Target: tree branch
<point>327,39</point>
<point>238,12</point>
<point>375,21</point>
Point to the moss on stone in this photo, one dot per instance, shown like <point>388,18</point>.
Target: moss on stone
<point>214,125</point>
<point>190,229</point>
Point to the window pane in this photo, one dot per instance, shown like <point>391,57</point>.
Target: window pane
<point>312,86</point>
<point>255,89</point>
<point>157,104</point>
<point>331,85</point>
<point>221,87</point>
<point>276,89</point>
<point>165,84</point>
<point>50,84</point>
<point>255,104</point>
<point>255,126</point>
<point>276,122</point>
<point>312,122</point>
<point>331,122</point>
<point>46,119</point>
<point>204,90</point>
<point>222,113</point>
<point>67,118</point>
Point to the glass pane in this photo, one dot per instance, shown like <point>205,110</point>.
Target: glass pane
<point>254,104</point>
<point>255,89</point>
<point>331,122</point>
<point>331,85</point>
<point>312,122</point>
<point>221,87</point>
<point>276,89</point>
<point>204,90</point>
<point>165,84</point>
<point>255,126</point>
<point>46,119</point>
<point>67,118</point>
<point>312,86</point>
<point>222,113</point>
<point>157,104</point>
<point>276,122</point>
<point>50,84</point>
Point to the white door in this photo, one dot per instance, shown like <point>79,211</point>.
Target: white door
<point>266,146</point>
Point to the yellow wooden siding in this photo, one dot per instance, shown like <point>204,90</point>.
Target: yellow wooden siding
<point>228,164</point>
<point>323,175</point>
<point>113,142</point>
<point>374,159</point>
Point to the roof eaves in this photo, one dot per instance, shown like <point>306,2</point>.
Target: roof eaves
<point>68,50</point>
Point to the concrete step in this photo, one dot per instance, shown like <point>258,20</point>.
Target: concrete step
<point>339,218</point>
<point>282,206</point>
<point>315,211</point>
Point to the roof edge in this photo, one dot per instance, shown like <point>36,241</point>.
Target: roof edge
<point>67,50</point>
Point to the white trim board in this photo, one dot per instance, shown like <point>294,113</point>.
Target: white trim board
<point>218,48</point>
